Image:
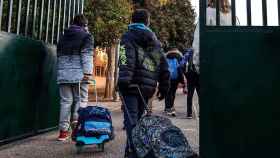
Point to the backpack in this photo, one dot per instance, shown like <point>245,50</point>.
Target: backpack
<point>157,135</point>
<point>173,68</point>
<point>95,121</point>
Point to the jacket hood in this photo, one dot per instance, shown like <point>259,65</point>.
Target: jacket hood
<point>174,54</point>
<point>72,40</point>
<point>74,30</point>
<point>143,36</point>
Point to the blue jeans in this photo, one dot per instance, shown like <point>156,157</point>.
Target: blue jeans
<point>135,108</point>
<point>70,99</point>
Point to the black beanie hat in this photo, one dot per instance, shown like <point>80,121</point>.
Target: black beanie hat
<point>141,16</point>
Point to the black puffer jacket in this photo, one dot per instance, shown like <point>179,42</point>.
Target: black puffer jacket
<point>142,62</point>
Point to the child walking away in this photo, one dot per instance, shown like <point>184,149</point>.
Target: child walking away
<point>174,58</point>
<point>141,63</point>
<point>74,64</point>
<point>193,81</point>
<point>194,65</point>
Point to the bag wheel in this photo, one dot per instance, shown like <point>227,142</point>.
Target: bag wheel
<point>79,149</point>
<point>101,147</point>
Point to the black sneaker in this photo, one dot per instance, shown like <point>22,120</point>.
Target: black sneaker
<point>128,154</point>
<point>168,112</point>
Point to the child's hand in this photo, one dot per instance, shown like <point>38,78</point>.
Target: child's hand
<point>185,89</point>
<point>87,77</point>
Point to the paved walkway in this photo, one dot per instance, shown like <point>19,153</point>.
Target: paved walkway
<point>46,146</point>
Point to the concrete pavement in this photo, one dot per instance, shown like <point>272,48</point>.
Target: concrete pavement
<point>46,146</point>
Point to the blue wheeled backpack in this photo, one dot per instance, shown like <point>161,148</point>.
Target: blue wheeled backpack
<point>173,68</point>
<point>95,121</point>
<point>94,126</point>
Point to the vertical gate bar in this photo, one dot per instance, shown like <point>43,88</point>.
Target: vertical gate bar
<point>27,18</point>
<point>59,22</point>
<point>78,7</point>
<point>41,19</point>
<point>1,12</point>
<point>69,13</point>
<point>249,19</point>
<point>233,10</point>
<point>18,15</point>
<point>82,9</point>
<point>279,12</point>
<point>264,10</point>
<point>53,20</point>
<point>34,18</point>
<point>64,12</point>
<point>10,14</point>
<point>218,13</point>
<point>48,20</point>
<point>202,8</point>
<point>74,9</point>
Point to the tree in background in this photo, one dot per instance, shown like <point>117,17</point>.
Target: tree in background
<point>172,20</point>
<point>108,20</point>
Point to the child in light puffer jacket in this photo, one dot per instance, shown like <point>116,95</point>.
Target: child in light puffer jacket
<point>74,66</point>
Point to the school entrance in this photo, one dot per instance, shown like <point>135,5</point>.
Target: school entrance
<point>239,107</point>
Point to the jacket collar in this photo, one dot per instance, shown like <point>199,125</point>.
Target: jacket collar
<point>139,26</point>
<point>176,52</point>
<point>77,28</point>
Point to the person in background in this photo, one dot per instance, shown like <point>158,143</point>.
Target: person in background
<point>192,80</point>
<point>225,20</point>
<point>74,67</point>
<point>187,57</point>
<point>225,13</point>
<point>142,66</point>
<point>174,57</point>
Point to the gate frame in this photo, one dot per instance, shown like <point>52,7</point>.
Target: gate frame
<point>206,29</point>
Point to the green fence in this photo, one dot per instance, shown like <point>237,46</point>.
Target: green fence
<point>28,92</point>
<point>240,89</point>
<point>39,19</point>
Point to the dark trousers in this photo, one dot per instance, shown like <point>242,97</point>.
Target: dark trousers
<point>192,85</point>
<point>170,97</point>
<point>133,111</point>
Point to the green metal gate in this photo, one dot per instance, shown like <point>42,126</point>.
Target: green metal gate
<point>29,30</point>
<point>240,83</point>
